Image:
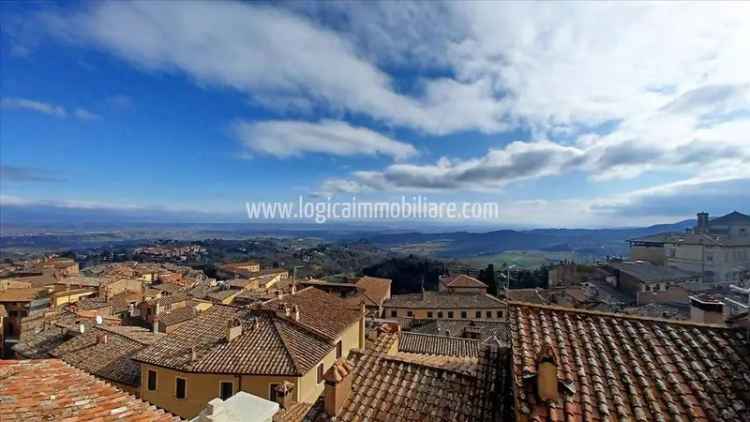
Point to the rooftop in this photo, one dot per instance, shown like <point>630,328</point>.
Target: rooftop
<point>375,288</point>
<point>62,392</point>
<point>437,345</point>
<point>650,273</point>
<point>463,281</point>
<point>268,345</point>
<point>322,312</point>
<point>21,295</point>
<point>444,300</point>
<point>733,218</point>
<point>613,366</point>
<point>110,358</point>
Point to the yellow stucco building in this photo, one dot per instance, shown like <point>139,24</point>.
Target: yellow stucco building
<point>277,351</point>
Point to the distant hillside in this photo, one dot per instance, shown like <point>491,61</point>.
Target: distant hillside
<point>590,242</point>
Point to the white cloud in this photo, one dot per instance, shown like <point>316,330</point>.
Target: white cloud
<point>287,138</point>
<point>37,106</point>
<point>46,108</point>
<point>274,56</point>
<point>84,114</point>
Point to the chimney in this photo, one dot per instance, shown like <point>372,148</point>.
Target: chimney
<point>296,312</point>
<point>103,339</point>
<point>294,288</point>
<point>279,294</point>
<point>156,325</point>
<point>287,311</point>
<point>157,309</point>
<point>284,394</point>
<point>546,373</point>
<point>338,387</point>
<point>234,329</point>
<point>193,354</point>
<point>706,309</point>
<point>702,226</point>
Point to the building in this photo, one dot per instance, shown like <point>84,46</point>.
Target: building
<point>461,284</point>
<point>106,353</point>
<point>718,249</point>
<point>649,283</point>
<point>282,348</point>
<point>18,304</point>
<point>373,292</point>
<point>573,365</point>
<point>61,392</point>
<point>384,384</point>
<point>445,305</point>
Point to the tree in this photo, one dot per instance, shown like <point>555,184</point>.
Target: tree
<point>488,277</point>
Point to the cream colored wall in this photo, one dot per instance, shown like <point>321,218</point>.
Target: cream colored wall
<point>62,298</point>
<point>470,313</point>
<point>200,388</point>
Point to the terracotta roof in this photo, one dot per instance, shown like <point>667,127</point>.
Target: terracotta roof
<point>437,345</point>
<point>61,392</point>
<point>178,315</point>
<point>375,288</point>
<point>464,365</point>
<point>269,345</point>
<point>647,272</point>
<point>444,300</point>
<point>170,299</point>
<point>525,295</point>
<point>621,367</point>
<point>21,295</point>
<point>388,388</point>
<point>170,288</point>
<point>462,328</point>
<point>464,281</point>
<point>325,313</point>
<point>111,359</point>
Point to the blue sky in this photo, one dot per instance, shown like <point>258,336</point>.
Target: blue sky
<point>566,114</point>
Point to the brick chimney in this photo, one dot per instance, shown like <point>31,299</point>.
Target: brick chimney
<point>546,373</point>
<point>103,339</point>
<point>706,309</point>
<point>285,394</point>
<point>233,330</point>
<point>338,387</point>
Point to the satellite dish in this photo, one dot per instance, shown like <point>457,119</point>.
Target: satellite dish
<point>99,320</point>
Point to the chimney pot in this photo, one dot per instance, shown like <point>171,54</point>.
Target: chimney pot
<point>338,387</point>
<point>296,312</point>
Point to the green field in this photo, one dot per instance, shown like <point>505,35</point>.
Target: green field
<point>522,259</point>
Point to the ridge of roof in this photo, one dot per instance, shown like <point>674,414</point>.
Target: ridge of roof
<point>616,315</point>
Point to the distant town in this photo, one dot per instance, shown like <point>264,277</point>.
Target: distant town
<point>301,330</point>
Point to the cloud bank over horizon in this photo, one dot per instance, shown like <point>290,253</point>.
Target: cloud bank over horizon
<point>645,105</point>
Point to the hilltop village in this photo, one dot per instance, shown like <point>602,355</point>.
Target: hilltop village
<point>661,335</point>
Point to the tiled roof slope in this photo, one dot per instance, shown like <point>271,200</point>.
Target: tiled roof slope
<point>375,288</point>
<point>111,359</point>
<point>269,345</point>
<point>49,389</point>
<point>323,312</point>
<point>388,388</point>
<point>463,280</point>
<point>630,368</point>
<point>437,345</point>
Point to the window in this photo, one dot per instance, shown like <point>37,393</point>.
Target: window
<point>320,373</point>
<point>180,388</point>
<point>339,349</point>
<point>272,395</point>
<point>489,314</point>
<point>409,313</point>
<point>440,314</point>
<point>463,314</point>
<point>151,380</point>
<point>227,389</point>
<point>394,314</point>
<point>479,314</point>
<point>450,314</point>
<point>429,314</point>
<point>499,314</point>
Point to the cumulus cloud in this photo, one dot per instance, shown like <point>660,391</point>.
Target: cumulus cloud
<point>288,138</point>
<point>273,55</point>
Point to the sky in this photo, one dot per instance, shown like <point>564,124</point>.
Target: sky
<point>568,114</point>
